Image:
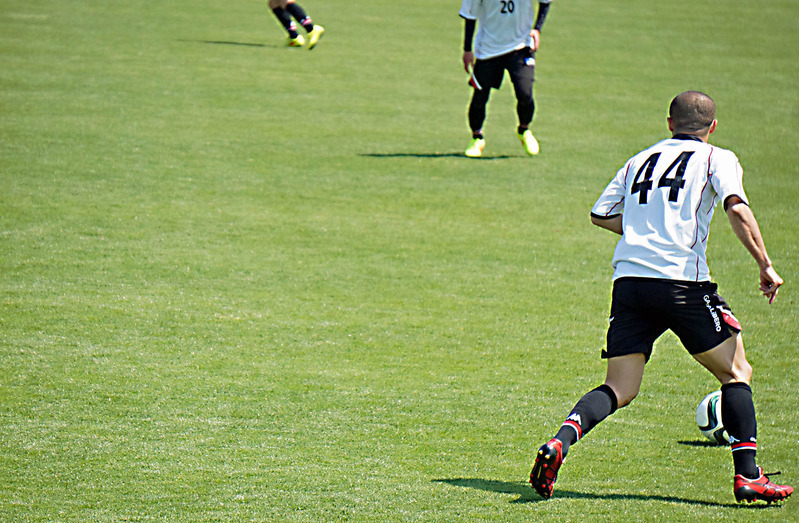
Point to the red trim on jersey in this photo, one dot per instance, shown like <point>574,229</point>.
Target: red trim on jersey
<point>610,211</point>
<point>698,207</point>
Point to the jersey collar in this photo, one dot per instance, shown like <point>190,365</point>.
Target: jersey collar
<point>686,137</point>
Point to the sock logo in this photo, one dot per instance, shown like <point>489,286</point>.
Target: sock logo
<point>734,440</point>
<point>575,417</point>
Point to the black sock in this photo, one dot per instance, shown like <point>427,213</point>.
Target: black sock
<point>477,134</point>
<point>520,129</point>
<point>299,14</point>
<point>286,21</point>
<point>738,417</point>
<point>592,408</point>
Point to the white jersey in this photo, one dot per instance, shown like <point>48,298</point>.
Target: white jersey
<point>666,195</point>
<point>503,26</point>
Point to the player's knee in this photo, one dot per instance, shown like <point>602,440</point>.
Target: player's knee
<point>626,398</point>
<point>624,395</point>
<point>743,372</point>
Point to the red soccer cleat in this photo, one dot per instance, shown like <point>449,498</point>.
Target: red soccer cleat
<point>750,490</point>
<point>545,468</point>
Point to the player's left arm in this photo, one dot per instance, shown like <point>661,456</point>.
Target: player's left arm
<point>748,232</point>
<point>535,32</point>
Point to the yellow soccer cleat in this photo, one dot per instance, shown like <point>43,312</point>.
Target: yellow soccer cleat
<point>314,36</point>
<point>295,42</point>
<point>475,149</point>
<point>529,142</point>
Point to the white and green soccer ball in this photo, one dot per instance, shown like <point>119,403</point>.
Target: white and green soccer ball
<point>708,419</point>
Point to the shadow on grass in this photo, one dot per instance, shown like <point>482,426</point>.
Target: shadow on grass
<point>702,443</point>
<point>527,494</point>
<point>433,155</point>
<point>224,42</point>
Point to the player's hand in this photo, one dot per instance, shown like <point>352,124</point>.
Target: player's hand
<point>770,283</point>
<point>536,36</point>
<point>468,60</point>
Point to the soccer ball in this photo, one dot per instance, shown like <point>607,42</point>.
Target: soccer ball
<point>708,418</point>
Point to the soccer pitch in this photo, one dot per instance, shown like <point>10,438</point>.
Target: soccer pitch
<point>245,282</point>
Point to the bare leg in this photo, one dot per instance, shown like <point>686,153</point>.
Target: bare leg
<point>624,376</point>
<point>727,361</point>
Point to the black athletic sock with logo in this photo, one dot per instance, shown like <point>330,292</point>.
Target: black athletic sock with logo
<point>286,21</point>
<point>592,408</point>
<point>299,14</point>
<point>738,417</point>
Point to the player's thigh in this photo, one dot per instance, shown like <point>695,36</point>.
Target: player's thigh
<point>279,3</point>
<point>521,69</point>
<point>700,317</point>
<point>489,73</point>
<point>633,327</point>
<point>727,361</point>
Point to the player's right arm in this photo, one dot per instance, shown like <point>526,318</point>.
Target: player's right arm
<point>468,34</point>
<point>468,12</point>
<point>608,209</point>
<point>747,230</point>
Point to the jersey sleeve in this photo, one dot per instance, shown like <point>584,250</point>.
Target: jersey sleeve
<point>726,175</point>
<point>611,202</point>
<point>468,10</point>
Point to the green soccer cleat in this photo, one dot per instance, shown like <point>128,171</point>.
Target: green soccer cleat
<point>295,42</point>
<point>314,36</point>
<point>475,149</point>
<point>529,142</point>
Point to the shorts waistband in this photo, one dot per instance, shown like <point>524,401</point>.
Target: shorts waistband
<point>687,283</point>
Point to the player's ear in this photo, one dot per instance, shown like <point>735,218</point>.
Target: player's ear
<point>713,126</point>
<point>670,123</point>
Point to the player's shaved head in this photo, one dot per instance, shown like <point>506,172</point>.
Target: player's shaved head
<point>692,112</point>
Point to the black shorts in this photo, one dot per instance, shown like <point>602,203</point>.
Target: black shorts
<point>520,65</point>
<point>644,308</point>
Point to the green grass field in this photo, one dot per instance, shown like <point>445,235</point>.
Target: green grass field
<point>243,282</point>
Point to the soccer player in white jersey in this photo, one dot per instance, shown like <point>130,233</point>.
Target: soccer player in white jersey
<point>661,203</point>
<point>506,40</point>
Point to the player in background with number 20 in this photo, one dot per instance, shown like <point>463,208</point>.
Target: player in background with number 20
<point>506,41</point>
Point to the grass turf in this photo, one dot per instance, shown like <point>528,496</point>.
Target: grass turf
<point>247,282</point>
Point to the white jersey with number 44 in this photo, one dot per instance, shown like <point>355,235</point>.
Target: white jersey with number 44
<point>666,195</point>
<point>503,26</point>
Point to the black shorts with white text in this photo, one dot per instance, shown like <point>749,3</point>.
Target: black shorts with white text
<point>644,308</point>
